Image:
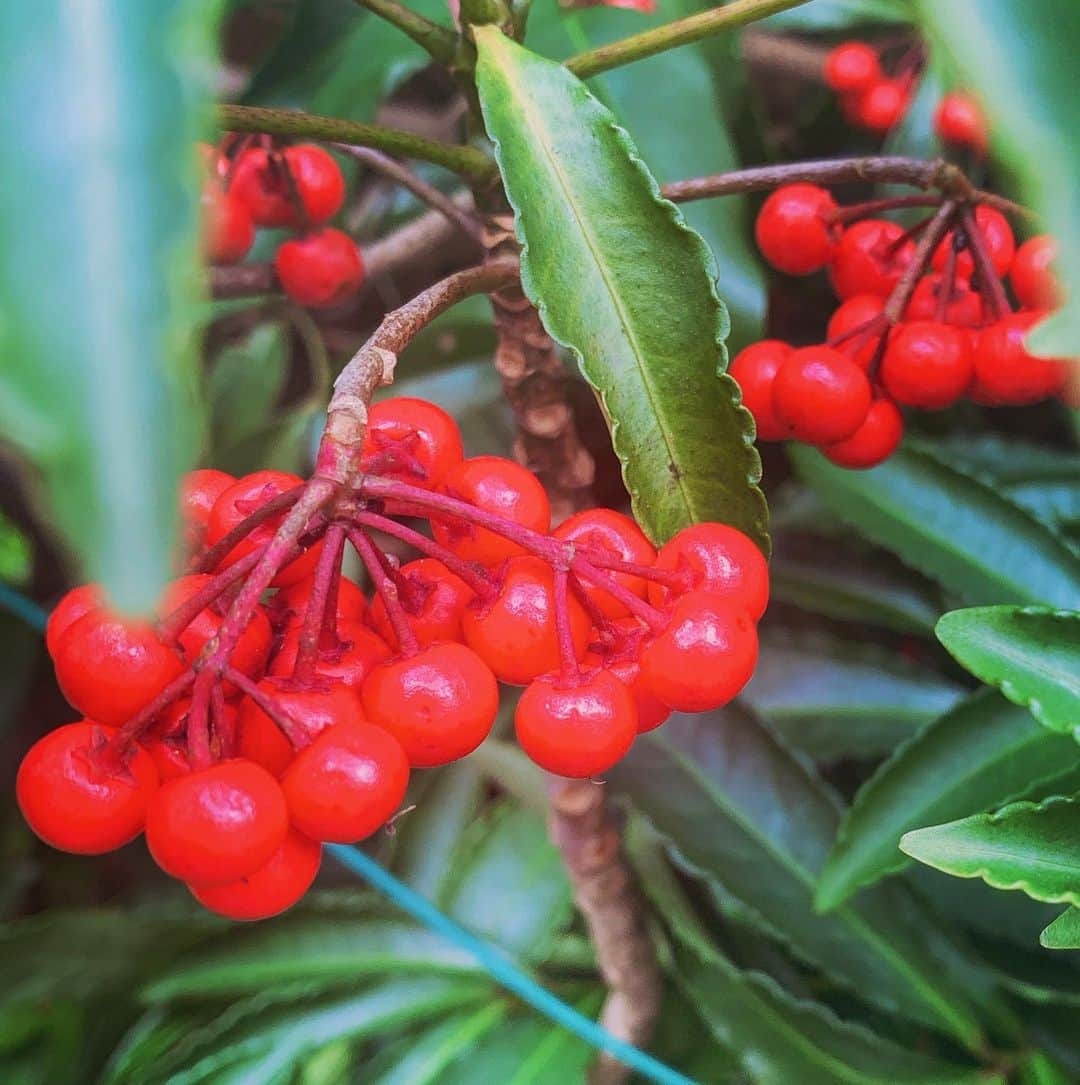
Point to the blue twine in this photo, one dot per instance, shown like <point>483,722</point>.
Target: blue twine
<point>493,961</point>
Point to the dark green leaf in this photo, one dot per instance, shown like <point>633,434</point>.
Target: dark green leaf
<point>620,279</point>
<point>244,386</point>
<point>1054,501</point>
<point>1031,973</point>
<point>1064,932</point>
<point>981,754</point>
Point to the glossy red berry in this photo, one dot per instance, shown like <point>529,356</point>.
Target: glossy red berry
<point>291,603</point>
<point>320,269</point>
<point>610,534</point>
<point>927,364</point>
<point>214,826</point>
<point>199,490</point>
<point>259,181</point>
<point>110,667</point>
<point>169,756</point>
<point>347,783</point>
<point>514,633</point>
<point>228,232</point>
<point>717,559</point>
<point>434,602</point>
<point>852,67</point>
<point>69,609</point>
<point>704,656</point>
<point>860,315</point>
<point>869,258</point>
<point>1032,274</point>
<point>873,442</point>
<point>439,704</point>
<point>963,309</point>
<point>359,649</point>
<point>1006,373</point>
<point>997,236</point>
<point>576,729</point>
<point>499,486</point>
<point>79,801</point>
<point>754,370</point>
<point>411,440</point>
<point>626,667</point>
<point>959,120</point>
<point>821,395</point>
<point>276,886</point>
<point>882,105</point>
<point>793,228</point>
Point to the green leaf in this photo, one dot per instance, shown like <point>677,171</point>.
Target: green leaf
<point>1064,932</point>
<point>950,526</point>
<point>1054,501</point>
<point>982,753</point>
<point>1032,974</point>
<point>836,698</point>
<point>245,384</point>
<point>740,810</point>
<point>1031,654</point>
<point>1007,459</point>
<point>99,270</point>
<point>1027,846</point>
<point>1018,56</point>
<point>620,279</point>
<point>1040,1069</point>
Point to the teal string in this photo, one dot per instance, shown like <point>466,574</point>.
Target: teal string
<point>492,960</point>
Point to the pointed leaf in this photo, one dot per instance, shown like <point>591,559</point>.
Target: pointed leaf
<point>1032,655</point>
<point>1064,932</point>
<point>619,278</point>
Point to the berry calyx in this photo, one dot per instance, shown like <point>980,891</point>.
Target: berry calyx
<point>869,258</point>
<point>260,182</point>
<point>411,440</point>
<point>927,364</point>
<point>821,395</point>
<point>754,369</point>
<point>873,442</point>
<point>852,67</point>
<point>433,600</point>
<point>794,230</point>
<point>1004,370</point>
<point>1032,274</point>
<point>959,120</point>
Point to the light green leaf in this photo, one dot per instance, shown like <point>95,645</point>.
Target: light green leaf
<point>950,526</point>
<point>982,753</point>
<point>1031,654</point>
<point>1064,932</point>
<point>1039,1068</point>
<point>1027,846</point>
<point>99,269</point>
<point>620,279</point>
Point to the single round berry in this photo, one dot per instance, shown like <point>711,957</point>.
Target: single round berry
<point>110,667</point>
<point>718,559</point>
<point>260,182</point>
<point>347,783</point>
<point>609,533</point>
<point>320,269</point>
<point>959,120</point>
<point>793,228</point>
<point>1032,274</point>
<point>704,656</point>
<point>821,395</point>
<point>291,603</point>
<point>927,364</point>
<point>576,729</point>
<point>963,309</point>
<point>214,826</point>
<point>70,608</point>
<point>861,316</point>
<point>882,105</point>
<point>873,442</point>
<point>440,703</point>
<point>358,650</point>
<point>227,229</point>
<point>434,602</point>
<point>77,797</point>
<point>276,886</point>
<point>852,67</point>
<point>499,486</point>
<point>1006,373</point>
<point>199,490</point>
<point>514,633</point>
<point>870,258</point>
<point>411,440</point>
<point>754,370</point>
<point>997,236</point>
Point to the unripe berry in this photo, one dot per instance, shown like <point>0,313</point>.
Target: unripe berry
<point>793,228</point>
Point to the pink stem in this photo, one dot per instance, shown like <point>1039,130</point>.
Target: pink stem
<point>604,559</point>
<point>654,618</point>
<point>945,286</point>
<point>210,559</point>
<point>989,281</point>
<point>875,325</point>
<point>198,726</point>
<point>387,589</point>
<point>224,735</point>
<point>296,733</point>
<point>326,572</point>
<point>569,672</point>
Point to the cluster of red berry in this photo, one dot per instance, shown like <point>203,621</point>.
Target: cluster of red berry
<point>298,188</point>
<point>955,337</point>
<point>326,702</point>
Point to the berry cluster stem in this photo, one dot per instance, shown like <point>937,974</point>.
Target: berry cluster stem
<point>211,558</point>
<point>387,590</point>
<point>327,573</point>
<point>989,281</point>
<point>569,671</point>
<point>293,731</point>
<point>931,237</point>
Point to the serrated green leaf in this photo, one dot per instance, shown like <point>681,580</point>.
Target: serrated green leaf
<point>99,270</point>
<point>1025,845</point>
<point>982,753</point>
<point>836,698</point>
<point>950,526</point>
<point>1064,932</point>
<point>1031,654</point>
<point>621,280</point>
<point>740,810</point>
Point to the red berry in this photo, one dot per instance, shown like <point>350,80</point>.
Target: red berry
<point>228,231</point>
<point>1032,274</point>
<point>169,756</point>
<point>964,309</point>
<point>717,559</point>
<point>578,730</point>
<point>411,440</point>
<point>110,667</point>
<point>434,601</point>
<point>704,657</point>
<point>75,802</point>
<point>291,603</point>
<point>514,634</point>
<point>793,228</point>
<point>347,783</point>
<point>260,182</point>
<point>997,236</point>
<point>350,661</point>
<point>754,369</point>
<point>70,609</point>
<point>624,664</point>
<point>614,535</point>
<point>882,105</point>
<point>439,704</point>
<point>870,258</point>
<point>199,490</point>
<point>1006,373</point>
<point>821,395</point>
<point>959,120</point>
<point>277,885</point>
<point>217,825</point>
<point>852,67</point>
<point>498,486</point>
<point>854,313</point>
<point>320,269</point>
<point>927,364</point>
<point>873,442</point>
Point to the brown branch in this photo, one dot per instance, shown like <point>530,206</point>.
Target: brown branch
<point>785,53</point>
